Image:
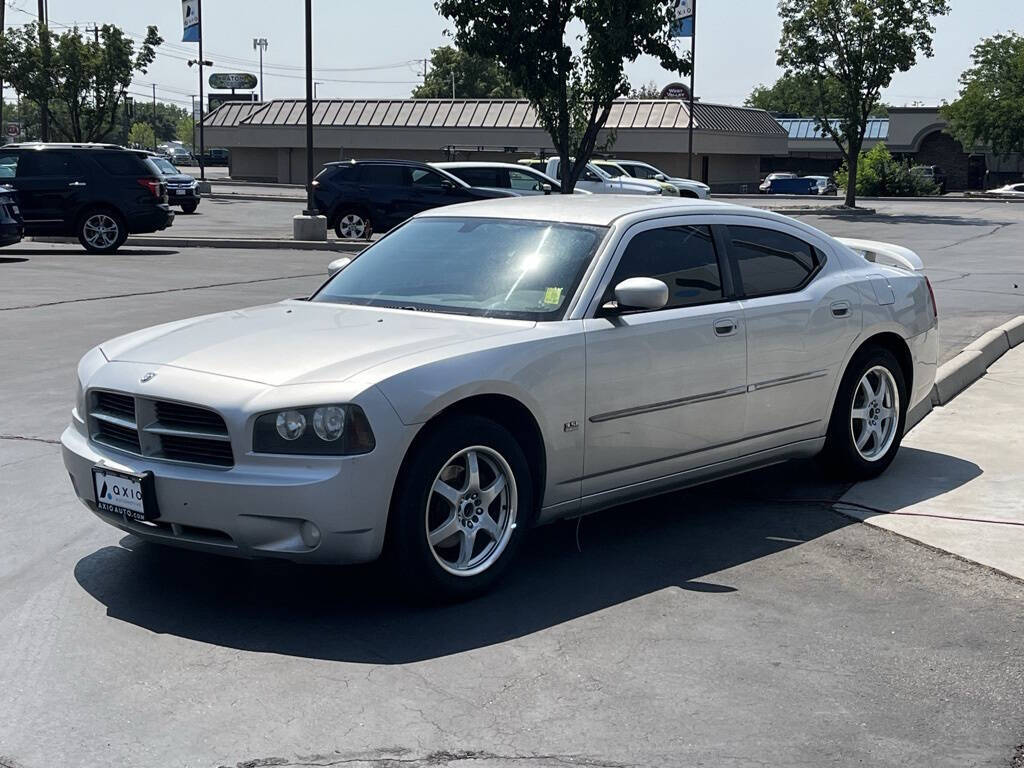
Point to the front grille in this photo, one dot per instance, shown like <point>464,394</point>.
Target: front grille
<point>159,429</point>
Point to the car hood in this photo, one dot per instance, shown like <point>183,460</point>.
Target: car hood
<point>625,182</point>
<point>688,182</point>
<point>177,178</point>
<point>299,342</point>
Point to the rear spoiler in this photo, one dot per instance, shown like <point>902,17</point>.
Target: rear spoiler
<point>885,253</point>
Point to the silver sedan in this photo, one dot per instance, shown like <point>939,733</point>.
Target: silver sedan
<point>489,367</point>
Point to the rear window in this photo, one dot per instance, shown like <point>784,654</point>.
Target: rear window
<point>772,262</point>
<point>384,175</point>
<point>44,163</point>
<point>125,164</point>
<point>478,177</point>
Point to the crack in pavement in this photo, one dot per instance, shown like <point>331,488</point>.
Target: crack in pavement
<point>26,438</point>
<point>439,758</point>
<point>995,230</point>
<point>155,293</point>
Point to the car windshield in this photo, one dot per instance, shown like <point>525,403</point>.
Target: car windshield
<point>164,165</point>
<point>472,266</point>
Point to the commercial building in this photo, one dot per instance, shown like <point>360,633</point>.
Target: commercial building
<point>267,141</point>
<point>919,135</point>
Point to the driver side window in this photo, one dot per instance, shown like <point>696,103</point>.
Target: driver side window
<point>684,258</point>
<point>426,179</point>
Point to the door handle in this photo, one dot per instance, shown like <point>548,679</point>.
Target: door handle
<point>840,309</point>
<point>77,184</point>
<point>725,327</point>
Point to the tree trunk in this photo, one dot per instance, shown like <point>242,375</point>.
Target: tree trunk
<point>854,143</point>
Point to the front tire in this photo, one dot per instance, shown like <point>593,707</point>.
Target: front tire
<point>189,207</point>
<point>101,231</point>
<point>353,224</point>
<point>868,418</point>
<point>460,509</point>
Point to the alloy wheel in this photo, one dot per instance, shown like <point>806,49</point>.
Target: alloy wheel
<point>352,226</point>
<point>100,231</point>
<point>875,414</point>
<point>471,511</point>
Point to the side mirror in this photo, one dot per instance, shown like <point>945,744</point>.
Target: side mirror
<point>446,185</point>
<point>546,188</point>
<point>337,265</point>
<point>660,177</point>
<point>641,293</point>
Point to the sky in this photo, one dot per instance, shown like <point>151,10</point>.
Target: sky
<point>375,50</point>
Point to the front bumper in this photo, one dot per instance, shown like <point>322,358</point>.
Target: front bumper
<point>300,508</point>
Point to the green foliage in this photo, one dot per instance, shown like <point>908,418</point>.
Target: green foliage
<point>163,120</point>
<point>476,77</point>
<point>82,80</point>
<point>141,136</point>
<point>184,130</point>
<point>572,92</point>
<point>648,90</point>
<point>858,45</point>
<point>882,175</point>
<point>799,95</point>
<point>990,109</point>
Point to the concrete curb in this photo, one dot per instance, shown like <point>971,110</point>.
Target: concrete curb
<point>971,364</point>
<point>224,242</point>
<point>255,198</point>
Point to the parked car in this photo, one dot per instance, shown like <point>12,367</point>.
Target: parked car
<point>11,225</point>
<point>360,197</point>
<point>216,156</point>
<point>180,156</point>
<point>519,180</point>
<point>802,185</point>
<point>597,181</point>
<point>99,193</point>
<point>822,185</point>
<point>766,185</point>
<point>1010,190</point>
<point>182,188</point>
<point>489,367</point>
<point>932,173</point>
<point>616,172</point>
<point>641,170</point>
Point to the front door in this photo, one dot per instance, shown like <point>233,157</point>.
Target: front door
<point>49,185</point>
<point>664,387</point>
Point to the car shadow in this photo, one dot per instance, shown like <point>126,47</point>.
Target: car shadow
<point>571,569</point>
<point>79,251</point>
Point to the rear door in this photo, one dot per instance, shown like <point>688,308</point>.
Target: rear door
<point>384,189</point>
<point>429,189</point>
<point>802,316</point>
<point>51,185</point>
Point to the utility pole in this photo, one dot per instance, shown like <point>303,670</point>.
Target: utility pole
<point>44,46</point>
<point>261,43</point>
<point>310,207</point>
<point>154,117</point>
<point>202,138</point>
<point>193,116</point>
<point>95,29</point>
<point>315,84</point>
<point>693,67</point>
<point>453,84</point>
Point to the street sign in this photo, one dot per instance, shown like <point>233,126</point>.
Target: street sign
<point>13,130</point>
<point>675,91</point>
<point>216,99</point>
<point>233,80</point>
<point>189,21</point>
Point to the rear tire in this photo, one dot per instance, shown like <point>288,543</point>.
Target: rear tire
<point>868,418</point>
<point>353,224</point>
<point>453,531</point>
<point>101,230</point>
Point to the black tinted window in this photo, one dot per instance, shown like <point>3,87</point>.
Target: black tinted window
<point>8,164</point>
<point>393,175</point>
<point>124,164</point>
<point>682,257</point>
<point>424,178</point>
<point>772,262</point>
<point>478,177</point>
<point>36,163</point>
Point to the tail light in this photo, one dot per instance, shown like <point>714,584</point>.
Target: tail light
<point>153,185</point>
<point>931,295</point>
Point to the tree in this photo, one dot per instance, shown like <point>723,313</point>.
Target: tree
<point>648,90</point>
<point>185,130</point>
<point>164,119</point>
<point>476,77</point>
<point>799,95</point>
<point>882,175</point>
<point>990,109</point>
<point>571,90</point>
<point>81,80</point>
<point>859,44</point>
<point>141,135</point>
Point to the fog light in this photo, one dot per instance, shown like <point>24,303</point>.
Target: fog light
<point>290,425</point>
<point>310,534</point>
<point>329,422</point>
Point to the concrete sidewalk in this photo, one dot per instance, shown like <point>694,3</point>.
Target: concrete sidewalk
<point>962,465</point>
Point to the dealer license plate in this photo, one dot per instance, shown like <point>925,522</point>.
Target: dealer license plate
<point>124,494</point>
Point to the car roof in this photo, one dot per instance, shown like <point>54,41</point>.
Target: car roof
<point>472,164</point>
<point>596,210</point>
<point>61,145</point>
<point>375,161</point>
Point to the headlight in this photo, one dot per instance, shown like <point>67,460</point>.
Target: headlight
<point>319,430</point>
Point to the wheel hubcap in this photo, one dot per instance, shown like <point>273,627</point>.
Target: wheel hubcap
<point>352,225</point>
<point>100,230</point>
<point>874,416</point>
<point>471,511</point>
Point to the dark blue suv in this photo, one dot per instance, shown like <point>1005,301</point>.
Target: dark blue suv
<point>360,197</point>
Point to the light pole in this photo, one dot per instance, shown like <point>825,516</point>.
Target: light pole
<point>261,43</point>
<point>315,84</point>
<point>309,225</point>
<point>44,46</point>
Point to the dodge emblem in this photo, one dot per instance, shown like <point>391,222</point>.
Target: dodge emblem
<point>147,377</point>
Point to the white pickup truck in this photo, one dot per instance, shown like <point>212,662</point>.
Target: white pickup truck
<point>593,179</point>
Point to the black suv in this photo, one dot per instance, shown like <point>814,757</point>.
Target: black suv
<point>10,219</point>
<point>360,197</point>
<point>182,188</point>
<point>100,193</point>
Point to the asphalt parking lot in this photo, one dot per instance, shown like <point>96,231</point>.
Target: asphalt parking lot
<point>731,625</point>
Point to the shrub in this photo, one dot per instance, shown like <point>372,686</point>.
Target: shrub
<point>879,174</point>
